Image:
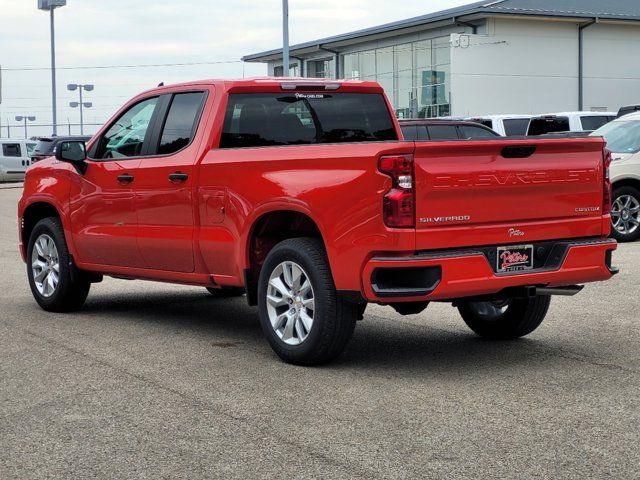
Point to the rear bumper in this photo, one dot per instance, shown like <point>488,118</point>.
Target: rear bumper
<point>452,274</point>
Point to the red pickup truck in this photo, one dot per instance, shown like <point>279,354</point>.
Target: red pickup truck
<point>303,195</point>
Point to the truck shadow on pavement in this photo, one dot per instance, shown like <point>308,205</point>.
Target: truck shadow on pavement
<point>378,343</point>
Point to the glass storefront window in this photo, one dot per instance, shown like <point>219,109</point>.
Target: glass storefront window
<point>416,76</point>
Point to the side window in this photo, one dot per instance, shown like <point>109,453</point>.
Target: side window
<point>468,132</point>
<point>545,125</point>
<point>410,132</point>
<point>181,122</point>
<point>126,136</point>
<point>443,132</point>
<point>11,150</point>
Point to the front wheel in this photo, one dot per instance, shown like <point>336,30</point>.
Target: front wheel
<point>505,319</point>
<point>625,214</point>
<point>53,284</point>
<point>302,316</point>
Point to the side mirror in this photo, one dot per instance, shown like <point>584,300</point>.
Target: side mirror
<point>74,152</point>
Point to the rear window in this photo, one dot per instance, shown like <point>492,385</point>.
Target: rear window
<point>594,122</point>
<point>515,127</point>
<point>544,125</point>
<point>265,119</point>
<point>44,147</point>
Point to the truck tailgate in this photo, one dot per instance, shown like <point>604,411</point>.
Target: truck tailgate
<point>507,191</point>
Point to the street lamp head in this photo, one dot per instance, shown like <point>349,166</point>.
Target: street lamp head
<point>19,118</point>
<point>31,118</point>
<point>72,87</point>
<point>87,104</point>
<point>73,104</point>
<point>88,88</point>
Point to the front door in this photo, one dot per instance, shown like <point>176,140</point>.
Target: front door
<point>165,185</point>
<point>102,206</point>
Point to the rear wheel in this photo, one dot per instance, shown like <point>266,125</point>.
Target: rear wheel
<point>507,319</point>
<point>302,316</point>
<point>54,285</point>
<point>625,214</point>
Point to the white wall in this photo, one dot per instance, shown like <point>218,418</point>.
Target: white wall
<point>612,66</point>
<point>529,66</point>
<point>520,67</point>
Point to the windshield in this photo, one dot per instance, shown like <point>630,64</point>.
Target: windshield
<point>621,137</point>
<point>30,149</point>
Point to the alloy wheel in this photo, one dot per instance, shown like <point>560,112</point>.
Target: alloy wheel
<point>290,303</point>
<point>625,213</point>
<point>45,265</point>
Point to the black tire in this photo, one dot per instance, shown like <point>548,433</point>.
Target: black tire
<point>73,287</point>
<point>226,292</point>
<point>517,318</point>
<point>615,233</point>
<point>334,318</point>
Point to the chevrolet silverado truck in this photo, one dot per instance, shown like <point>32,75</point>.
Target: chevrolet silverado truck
<point>303,195</point>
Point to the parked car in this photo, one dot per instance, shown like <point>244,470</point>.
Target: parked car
<point>438,129</point>
<point>14,158</point>
<point>505,125</point>
<point>623,139</point>
<point>46,146</point>
<point>301,194</point>
<point>626,110</point>
<point>568,122</point>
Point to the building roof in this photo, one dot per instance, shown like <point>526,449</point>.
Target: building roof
<point>619,10</point>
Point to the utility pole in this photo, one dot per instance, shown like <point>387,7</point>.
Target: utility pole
<point>285,38</point>
<point>51,6</point>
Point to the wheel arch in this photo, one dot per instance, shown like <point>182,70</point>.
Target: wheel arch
<point>32,214</point>
<point>269,228</point>
<point>627,182</point>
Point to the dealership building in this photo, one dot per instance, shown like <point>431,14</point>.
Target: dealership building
<point>491,57</point>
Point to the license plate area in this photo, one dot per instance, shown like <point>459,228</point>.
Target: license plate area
<point>514,258</point>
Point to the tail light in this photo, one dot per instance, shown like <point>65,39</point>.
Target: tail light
<point>606,198</point>
<point>398,205</point>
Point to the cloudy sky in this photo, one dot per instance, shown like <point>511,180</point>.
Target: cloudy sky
<point>136,32</point>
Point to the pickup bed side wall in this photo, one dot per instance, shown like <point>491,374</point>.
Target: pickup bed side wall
<point>338,186</point>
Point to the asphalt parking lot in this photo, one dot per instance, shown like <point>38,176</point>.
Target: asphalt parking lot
<point>162,381</point>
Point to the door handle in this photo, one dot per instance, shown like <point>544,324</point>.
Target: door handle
<point>125,178</point>
<point>178,177</point>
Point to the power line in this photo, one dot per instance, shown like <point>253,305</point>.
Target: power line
<point>141,65</point>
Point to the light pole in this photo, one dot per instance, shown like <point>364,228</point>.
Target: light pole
<point>285,38</point>
<point>20,118</point>
<point>50,5</point>
<point>72,87</point>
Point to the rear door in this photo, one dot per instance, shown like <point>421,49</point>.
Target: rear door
<point>165,184</point>
<point>474,193</point>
